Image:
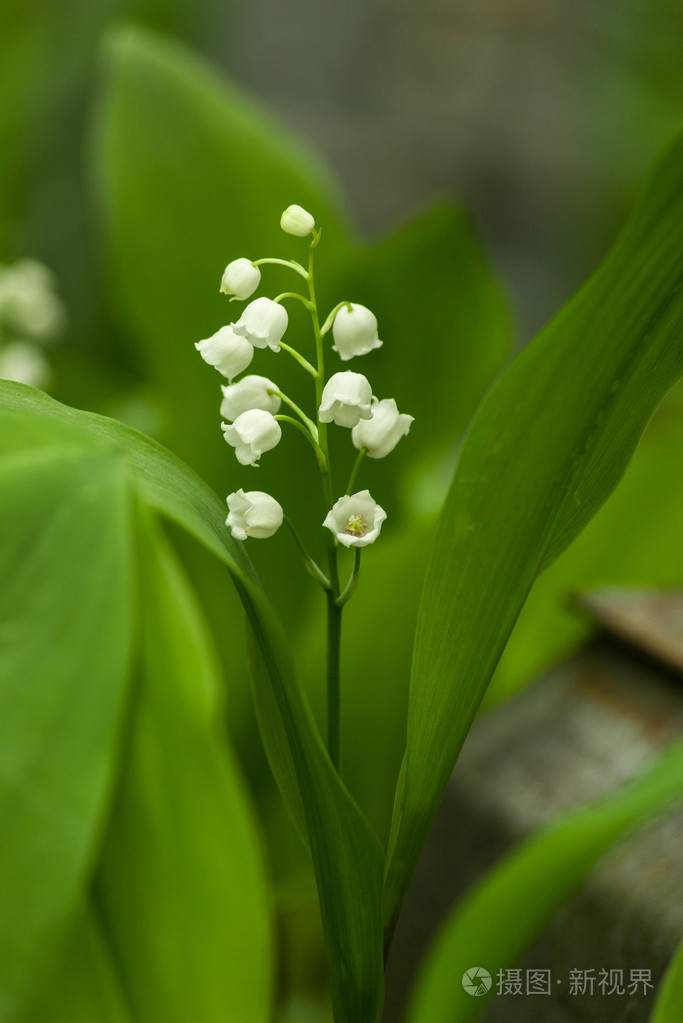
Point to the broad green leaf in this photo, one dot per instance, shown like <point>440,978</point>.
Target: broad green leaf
<point>670,998</point>
<point>65,632</point>
<point>504,913</point>
<point>346,854</point>
<point>628,543</point>
<point>180,883</point>
<point>548,445</point>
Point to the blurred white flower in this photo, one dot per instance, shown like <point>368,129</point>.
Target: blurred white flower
<point>24,361</point>
<point>380,434</point>
<point>29,306</point>
<point>355,520</point>
<point>252,433</point>
<point>249,392</point>
<point>345,399</point>
<point>297,221</point>
<point>226,351</point>
<point>253,514</point>
<point>263,323</point>
<point>354,331</point>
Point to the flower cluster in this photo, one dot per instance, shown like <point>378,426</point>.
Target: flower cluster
<point>31,316</point>
<point>251,405</point>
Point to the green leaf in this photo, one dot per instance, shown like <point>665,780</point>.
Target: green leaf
<point>180,883</point>
<point>548,445</point>
<point>65,607</point>
<point>504,913</point>
<point>670,998</point>
<point>347,856</point>
<point>82,986</point>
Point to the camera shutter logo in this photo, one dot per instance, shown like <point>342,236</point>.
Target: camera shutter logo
<point>476,981</point>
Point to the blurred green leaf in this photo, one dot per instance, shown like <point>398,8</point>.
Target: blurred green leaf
<point>505,912</point>
<point>548,445</point>
<point>65,614</point>
<point>347,856</point>
<point>180,883</point>
<point>82,986</point>
<point>670,998</point>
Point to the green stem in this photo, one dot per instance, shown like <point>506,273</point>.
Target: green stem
<point>334,611</point>
<point>293,294</point>
<point>354,471</point>
<point>300,359</point>
<point>334,622</point>
<point>291,263</point>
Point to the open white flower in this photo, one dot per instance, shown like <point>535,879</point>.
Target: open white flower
<point>240,278</point>
<point>355,519</point>
<point>226,351</point>
<point>252,433</point>
<point>249,392</point>
<point>297,221</point>
<point>345,399</point>
<point>354,331</point>
<point>380,434</point>
<point>263,323</point>
<point>253,514</point>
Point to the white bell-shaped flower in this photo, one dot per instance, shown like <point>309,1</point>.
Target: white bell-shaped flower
<point>253,514</point>
<point>380,434</point>
<point>249,392</point>
<point>240,278</point>
<point>354,331</point>
<point>29,305</point>
<point>298,221</point>
<point>355,519</point>
<point>226,351</point>
<point>263,323</point>
<point>252,433</point>
<point>345,399</point>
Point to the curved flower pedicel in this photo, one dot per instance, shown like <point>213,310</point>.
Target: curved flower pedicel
<point>355,519</point>
<point>379,435</point>
<point>346,399</point>
<point>354,331</point>
<point>226,351</point>
<point>252,433</point>
<point>249,393</point>
<point>253,514</point>
<point>263,323</point>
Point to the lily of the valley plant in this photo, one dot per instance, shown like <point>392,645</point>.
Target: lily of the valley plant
<point>251,407</point>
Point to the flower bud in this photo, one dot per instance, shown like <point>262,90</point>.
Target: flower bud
<point>354,331</point>
<point>29,305</point>
<point>355,519</point>
<point>240,278</point>
<point>252,433</point>
<point>249,392</point>
<point>253,514</point>
<point>380,434</point>
<point>298,221</point>
<point>226,351</point>
<point>345,399</point>
<point>263,323</point>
